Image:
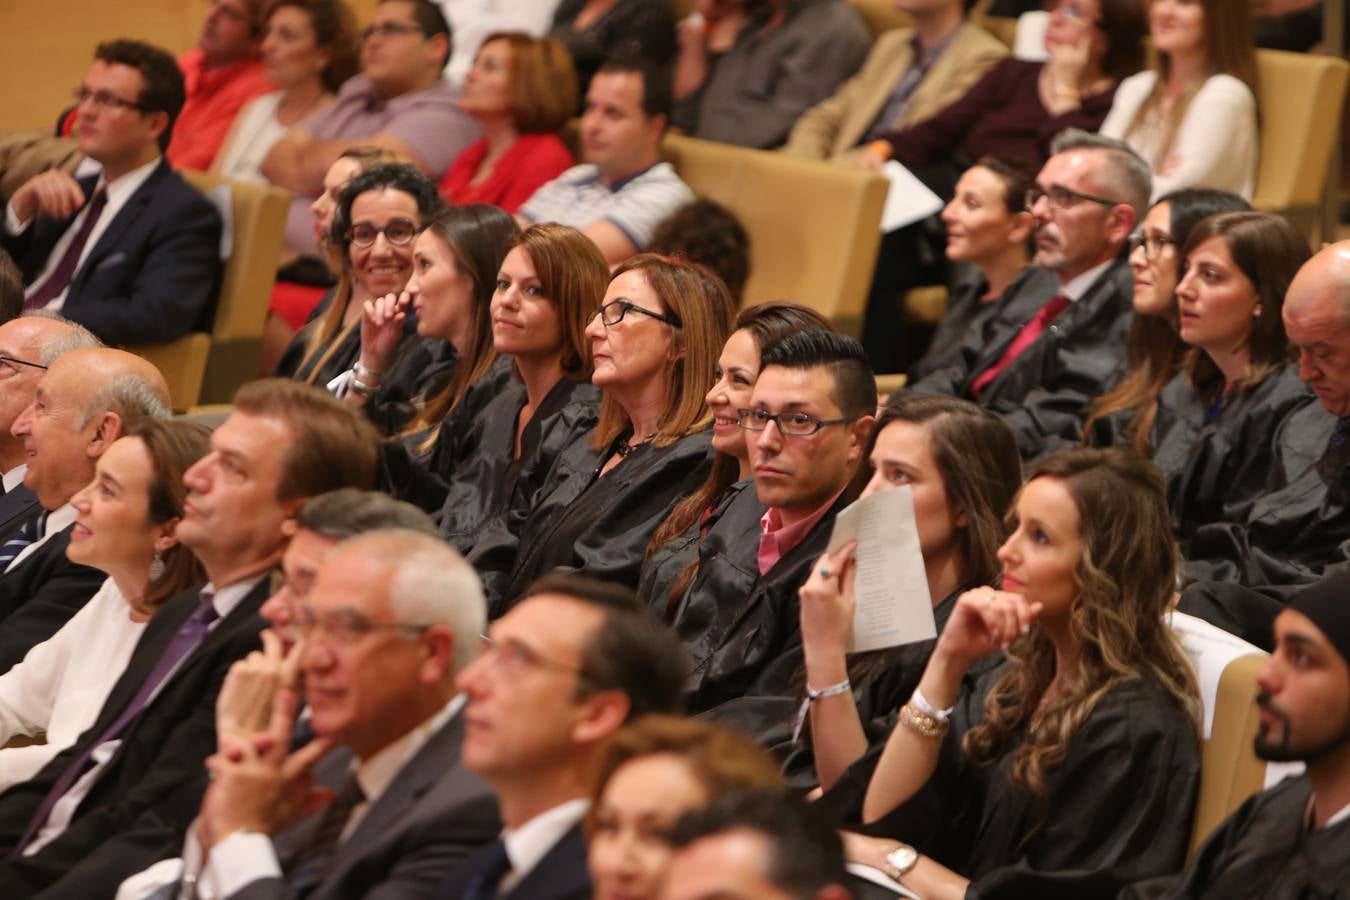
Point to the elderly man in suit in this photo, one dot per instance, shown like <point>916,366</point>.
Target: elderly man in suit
<point>909,75</point>
<point>392,616</point>
<point>132,254</point>
<point>570,663</point>
<point>123,795</point>
<point>86,400</point>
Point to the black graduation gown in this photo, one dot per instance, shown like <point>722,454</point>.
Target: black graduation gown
<point>742,630</point>
<point>600,525</point>
<point>1263,852</point>
<point>662,567</point>
<point>1116,810</point>
<point>1216,465</point>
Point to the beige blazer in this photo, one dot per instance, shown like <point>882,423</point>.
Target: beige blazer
<point>832,129</point>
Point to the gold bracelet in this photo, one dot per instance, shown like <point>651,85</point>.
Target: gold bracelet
<point>922,724</point>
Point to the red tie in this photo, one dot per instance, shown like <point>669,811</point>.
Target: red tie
<point>1025,338</point>
<point>60,277</point>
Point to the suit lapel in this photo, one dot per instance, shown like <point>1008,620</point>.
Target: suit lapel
<point>15,508</point>
<point>879,91</point>
<point>112,236</point>
<point>561,873</point>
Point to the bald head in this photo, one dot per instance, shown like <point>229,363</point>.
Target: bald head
<point>1317,321</point>
<point>87,399</point>
<point>27,344</point>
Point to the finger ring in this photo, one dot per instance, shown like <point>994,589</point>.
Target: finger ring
<point>988,599</point>
<point>825,572</point>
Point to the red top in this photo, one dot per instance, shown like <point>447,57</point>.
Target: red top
<point>214,98</point>
<point>527,165</point>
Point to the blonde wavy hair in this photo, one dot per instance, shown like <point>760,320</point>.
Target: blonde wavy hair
<point>1126,577</point>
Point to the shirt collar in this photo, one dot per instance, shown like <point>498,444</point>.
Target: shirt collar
<point>231,595</point>
<point>789,536</point>
<point>531,842</point>
<point>924,58</point>
<point>615,186</point>
<point>121,188</point>
<point>61,517</point>
<point>1077,286</point>
<point>377,773</point>
<point>14,477</point>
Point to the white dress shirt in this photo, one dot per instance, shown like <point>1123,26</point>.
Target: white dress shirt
<point>1077,286</point>
<point>14,477</point>
<point>119,191</point>
<point>527,845</point>
<point>57,519</point>
<point>61,684</point>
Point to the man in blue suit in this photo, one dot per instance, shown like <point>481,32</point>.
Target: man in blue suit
<point>132,253</point>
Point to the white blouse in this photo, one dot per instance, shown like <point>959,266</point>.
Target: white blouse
<point>256,130</point>
<point>1215,146</point>
<point>62,683</point>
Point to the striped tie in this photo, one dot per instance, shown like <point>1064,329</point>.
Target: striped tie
<point>30,531</point>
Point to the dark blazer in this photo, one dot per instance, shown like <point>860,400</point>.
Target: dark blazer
<point>39,595</point>
<point>15,508</point>
<point>560,875</point>
<point>153,275</point>
<point>138,810</point>
<point>433,815</point>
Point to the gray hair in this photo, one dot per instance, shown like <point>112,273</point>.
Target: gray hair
<point>347,512</point>
<point>77,338</point>
<point>431,584</point>
<point>132,397</point>
<point>1127,176</point>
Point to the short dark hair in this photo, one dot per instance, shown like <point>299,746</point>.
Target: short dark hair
<point>348,512</point>
<point>432,21</point>
<point>805,852</point>
<point>163,90</point>
<point>385,176</point>
<point>855,387</point>
<point>657,99</point>
<point>11,288</point>
<point>631,652</point>
<point>708,233</point>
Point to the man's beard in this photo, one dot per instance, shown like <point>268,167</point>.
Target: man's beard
<point>1284,751</point>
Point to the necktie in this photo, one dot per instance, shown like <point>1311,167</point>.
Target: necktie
<point>189,635</point>
<point>1337,454</point>
<point>29,532</point>
<point>1025,338</point>
<point>312,861</point>
<point>488,874</point>
<point>60,277</point>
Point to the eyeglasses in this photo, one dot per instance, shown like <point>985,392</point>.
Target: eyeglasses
<point>344,626</point>
<point>399,232</point>
<point>102,99</point>
<point>513,659</point>
<point>12,364</point>
<point>1153,244</point>
<point>612,313</point>
<point>389,29</point>
<point>1062,198</point>
<point>1069,11</point>
<point>791,424</point>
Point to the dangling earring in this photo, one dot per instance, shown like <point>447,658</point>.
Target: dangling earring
<point>157,567</point>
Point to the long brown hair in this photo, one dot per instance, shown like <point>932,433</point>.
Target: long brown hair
<point>700,301</point>
<point>1231,51</point>
<point>543,81</point>
<point>173,445</point>
<point>1269,251</point>
<point>1154,350</point>
<point>1125,579</point>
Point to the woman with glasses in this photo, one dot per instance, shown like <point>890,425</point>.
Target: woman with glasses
<point>1153,351</point>
<point>654,343</point>
<point>309,48</point>
<point>673,554</point>
<point>1193,117</point>
<point>124,527</point>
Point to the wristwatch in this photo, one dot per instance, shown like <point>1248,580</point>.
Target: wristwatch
<point>900,861</point>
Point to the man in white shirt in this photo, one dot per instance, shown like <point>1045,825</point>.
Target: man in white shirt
<point>85,401</point>
<point>568,665</point>
<point>472,20</point>
<point>133,254</point>
<point>392,616</point>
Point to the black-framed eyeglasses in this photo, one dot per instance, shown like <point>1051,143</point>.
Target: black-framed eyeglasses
<point>791,424</point>
<point>13,362</point>
<point>612,313</point>
<point>399,232</point>
<point>1153,244</point>
<point>103,99</point>
<point>344,626</point>
<point>389,29</point>
<point>1061,197</point>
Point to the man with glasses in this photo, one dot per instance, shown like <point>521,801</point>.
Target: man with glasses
<point>132,254</point>
<point>569,664</point>
<point>809,419</point>
<point>1039,361</point>
<point>123,795</point>
<point>393,615</point>
<point>399,102</point>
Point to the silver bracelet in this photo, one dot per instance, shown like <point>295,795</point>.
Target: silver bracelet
<point>361,389</point>
<point>920,702</point>
<point>366,375</point>
<point>833,690</point>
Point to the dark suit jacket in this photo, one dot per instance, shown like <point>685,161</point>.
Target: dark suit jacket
<point>431,817</point>
<point>39,595</point>
<point>560,875</point>
<point>139,808</point>
<point>15,508</point>
<point>153,275</point>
